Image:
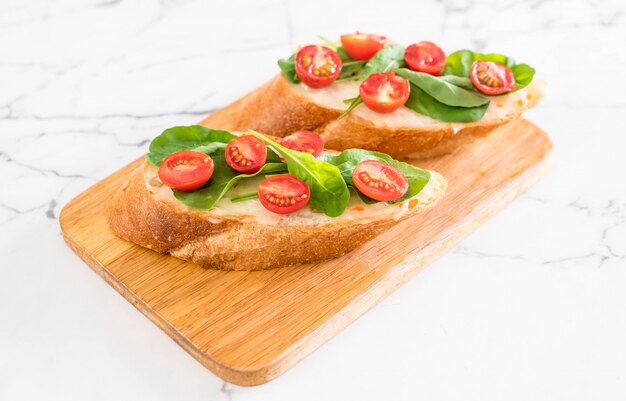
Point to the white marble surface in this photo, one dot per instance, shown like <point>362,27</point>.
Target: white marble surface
<point>532,306</point>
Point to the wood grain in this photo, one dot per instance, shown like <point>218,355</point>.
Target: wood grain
<point>248,327</point>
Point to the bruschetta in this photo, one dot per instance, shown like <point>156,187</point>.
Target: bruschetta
<point>247,201</point>
<point>372,94</point>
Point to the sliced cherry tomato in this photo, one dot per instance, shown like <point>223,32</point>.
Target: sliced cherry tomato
<point>362,46</point>
<point>317,66</point>
<point>379,180</point>
<point>304,141</point>
<point>492,78</point>
<point>186,170</point>
<point>246,154</point>
<point>283,193</point>
<point>384,92</point>
<point>425,57</point>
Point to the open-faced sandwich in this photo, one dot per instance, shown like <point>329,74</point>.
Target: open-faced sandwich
<point>372,94</point>
<point>249,201</point>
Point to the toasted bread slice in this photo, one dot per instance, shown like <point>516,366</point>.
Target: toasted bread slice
<point>245,236</point>
<point>280,107</point>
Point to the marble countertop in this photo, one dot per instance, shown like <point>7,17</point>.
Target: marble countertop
<point>532,306</point>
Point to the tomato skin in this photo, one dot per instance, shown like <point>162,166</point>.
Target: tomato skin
<point>186,170</point>
<point>425,57</point>
<point>317,66</point>
<point>304,141</point>
<point>362,46</point>
<point>385,92</point>
<point>379,180</point>
<point>246,154</point>
<point>283,193</point>
<point>492,78</point>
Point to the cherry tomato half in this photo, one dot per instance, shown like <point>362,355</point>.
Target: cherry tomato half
<point>246,154</point>
<point>425,57</point>
<point>186,170</point>
<point>384,92</point>
<point>379,180</point>
<point>283,193</point>
<point>362,46</point>
<point>304,141</point>
<point>317,66</point>
<point>492,78</point>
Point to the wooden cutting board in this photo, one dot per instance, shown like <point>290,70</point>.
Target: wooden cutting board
<point>248,327</point>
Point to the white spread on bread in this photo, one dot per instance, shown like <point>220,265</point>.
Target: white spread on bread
<point>252,210</point>
<point>501,107</point>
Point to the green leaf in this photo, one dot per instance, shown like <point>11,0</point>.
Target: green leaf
<point>223,179</point>
<point>288,67</point>
<point>329,192</point>
<point>343,54</point>
<point>244,197</point>
<point>442,90</point>
<point>523,74</point>
<point>347,160</point>
<point>460,62</point>
<point>355,101</point>
<point>462,82</point>
<point>194,137</point>
<point>351,70</point>
<point>211,148</point>
<point>388,58</point>
<point>423,103</point>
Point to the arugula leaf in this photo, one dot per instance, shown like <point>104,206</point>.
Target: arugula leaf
<point>343,54</point>
<point>351,70</point>
<point>461,82</point>
<point>288,67</point>
<point>355,101</point>
<point>523,74</point>
<point>442,90</point>
<point>221,181</point>
<point>329,192</point>
<point>347,160</point>
<point>244,197</point>
<point>460,62</point>
<point>388,58</point>
<point>423,103</point>
<point>194,137</point>
<point>351,67</point>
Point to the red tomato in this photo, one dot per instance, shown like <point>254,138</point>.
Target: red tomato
<point>492,78</point>
<point>304,141</point>
<point>283,193</point>
<point>186,170</point>
<point>425,57</point>
<point>317,66</point>
<point>362,46</point>
<point>246,154</point>
<point>380,181</point>
<point>384,92</point>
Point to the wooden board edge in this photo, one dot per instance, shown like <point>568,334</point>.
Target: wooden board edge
<point>220,370</point>
<point>405,270</point>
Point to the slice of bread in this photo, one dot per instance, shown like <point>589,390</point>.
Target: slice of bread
<point>245,236</point>
<point>280,107</point>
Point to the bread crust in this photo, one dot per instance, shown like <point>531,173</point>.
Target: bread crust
<point>275,109</point>
<point>233,243</point>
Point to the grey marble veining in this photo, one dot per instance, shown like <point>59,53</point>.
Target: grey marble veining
<point>530,306</point>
